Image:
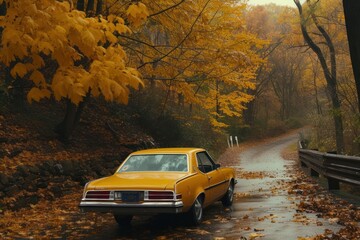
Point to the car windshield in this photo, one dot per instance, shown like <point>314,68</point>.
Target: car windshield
<point>156,162</point>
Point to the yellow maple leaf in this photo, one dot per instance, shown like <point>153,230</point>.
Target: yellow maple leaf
<point>133,10</point>
<point>19,70</point>
<point>46,47</point>
<point>37,77</point>
<point>38,61</point>
<point>37,94</point>
<point>76,93</point>
<point>137,14</point>
<point>256,235</point>
<point>111,37</point>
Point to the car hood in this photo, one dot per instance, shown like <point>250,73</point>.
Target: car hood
<point>138,180</point>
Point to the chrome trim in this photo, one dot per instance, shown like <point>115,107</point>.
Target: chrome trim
<point>132,208</point>
<point>146,194</point>
<point>84,191</point>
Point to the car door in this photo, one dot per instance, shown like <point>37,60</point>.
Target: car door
<point>216,185</point>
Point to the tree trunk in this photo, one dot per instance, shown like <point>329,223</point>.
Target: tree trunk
<point>352,20</point>
<point>71,119</point>
<point>330,74</point>
<point>90,8</point>
<point>249,113</point>
<point>80,5</point>
<point>3,9</point>
<point>99,7</point>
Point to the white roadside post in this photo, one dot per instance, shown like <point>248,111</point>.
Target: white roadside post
<point>236,140</point>
<point>228,141</point>
<point>231,141</point>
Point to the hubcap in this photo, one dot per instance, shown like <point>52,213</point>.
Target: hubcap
<point>198,209</point>
<point>231,192</point>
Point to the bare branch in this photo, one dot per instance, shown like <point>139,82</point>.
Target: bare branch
<point>181,42</point>
<point>167,9</point>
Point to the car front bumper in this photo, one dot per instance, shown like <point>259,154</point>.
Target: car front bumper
<point>142,208</point>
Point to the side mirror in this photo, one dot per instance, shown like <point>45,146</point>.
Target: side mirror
<point>217,165</point>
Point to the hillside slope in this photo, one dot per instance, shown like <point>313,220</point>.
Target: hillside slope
<point>30,151</point>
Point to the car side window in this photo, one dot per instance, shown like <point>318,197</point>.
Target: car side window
<point>204,162</point>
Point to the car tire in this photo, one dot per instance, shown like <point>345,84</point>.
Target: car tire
<point>123,220</point>
<point>196,212</point>
<point>228,198</point>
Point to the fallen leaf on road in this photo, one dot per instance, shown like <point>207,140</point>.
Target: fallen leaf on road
<point>256,235</point>
<point>333,220</point>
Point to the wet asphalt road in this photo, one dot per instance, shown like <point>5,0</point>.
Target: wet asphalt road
<point>262,208</point>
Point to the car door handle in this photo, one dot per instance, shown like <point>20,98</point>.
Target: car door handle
<point>209,177</point>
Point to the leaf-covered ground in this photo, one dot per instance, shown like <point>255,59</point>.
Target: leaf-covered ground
<point>315,198</point>
<point>27,142</point>
<point>27,135</point>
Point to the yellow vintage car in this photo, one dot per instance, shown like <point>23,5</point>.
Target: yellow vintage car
<point>164,180</point>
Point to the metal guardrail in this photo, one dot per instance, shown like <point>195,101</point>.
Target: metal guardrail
<point>335,168</point>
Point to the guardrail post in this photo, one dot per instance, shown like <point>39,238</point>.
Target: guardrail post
<point>314,173</point>
<point>333,184</point>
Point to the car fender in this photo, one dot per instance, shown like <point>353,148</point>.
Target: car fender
<point>190,188</point>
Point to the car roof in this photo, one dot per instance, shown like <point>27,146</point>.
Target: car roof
<point>168,151</point>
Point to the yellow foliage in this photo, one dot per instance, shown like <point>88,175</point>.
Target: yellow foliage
<point>195,44</point>
<point>19,70</point>
<point>37,94</point>
<point>137,14</point>
<point>201,47</point>
<point>49,29</point>
<point>38,78</point>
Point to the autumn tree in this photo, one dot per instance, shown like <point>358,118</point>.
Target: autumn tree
<point>199,54</point>
<point>285,75</point>
<point>65,54</point>
<point>277,78</point>
<point>328,66</point>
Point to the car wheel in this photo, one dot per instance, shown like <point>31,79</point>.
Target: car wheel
<point>227,200</point>
<point>196,212</point>
<point>123,220</point>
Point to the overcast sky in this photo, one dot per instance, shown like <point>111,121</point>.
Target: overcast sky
<point>278,2</point>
